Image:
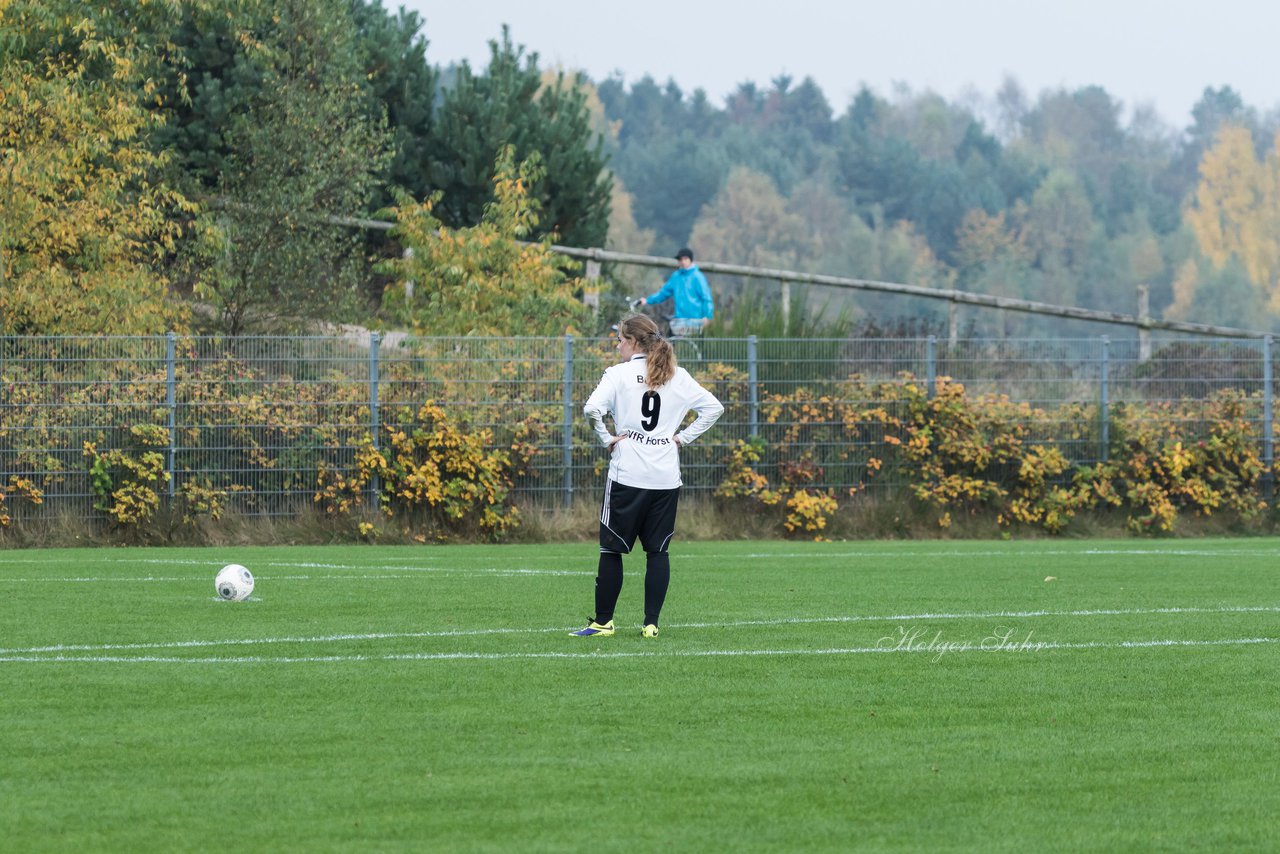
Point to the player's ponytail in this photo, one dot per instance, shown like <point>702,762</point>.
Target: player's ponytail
<point>660,356</point>
<point>661,359</point>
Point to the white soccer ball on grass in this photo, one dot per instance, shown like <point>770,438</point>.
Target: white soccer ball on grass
<point>234,582</point>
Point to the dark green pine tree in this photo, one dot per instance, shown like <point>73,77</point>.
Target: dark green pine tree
<point>211,82</point>
<point>221,69</point>
<point>403,86</point>
<point>479,114</point>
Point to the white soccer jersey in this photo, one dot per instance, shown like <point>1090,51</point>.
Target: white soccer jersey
<point>648,420</point>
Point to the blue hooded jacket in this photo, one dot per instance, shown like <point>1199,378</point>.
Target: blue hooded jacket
<point>691,292</point>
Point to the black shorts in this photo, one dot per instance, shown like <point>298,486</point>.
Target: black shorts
<point>629,512</point>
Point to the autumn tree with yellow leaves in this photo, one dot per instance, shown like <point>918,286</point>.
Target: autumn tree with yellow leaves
<point>86,215</point>
<point>1235,213</point>
<point>485,279</point>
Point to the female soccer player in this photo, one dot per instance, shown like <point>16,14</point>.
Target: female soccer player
<point>648,396</point>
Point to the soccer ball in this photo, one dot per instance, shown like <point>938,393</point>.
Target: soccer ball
<point>234,582</point>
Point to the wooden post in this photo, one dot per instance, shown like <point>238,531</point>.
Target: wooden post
<point>591,293</point>
<point>408,284</point>
<point>1144,313</point>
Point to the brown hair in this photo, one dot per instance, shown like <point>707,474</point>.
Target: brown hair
<point>660,356</point>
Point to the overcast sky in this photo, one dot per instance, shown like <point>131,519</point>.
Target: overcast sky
<point>1160,53</point>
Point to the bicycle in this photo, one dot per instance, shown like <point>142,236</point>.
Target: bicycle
<point>683,343</point>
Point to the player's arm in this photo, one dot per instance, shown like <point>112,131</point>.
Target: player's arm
<point>709,410</point>
<point>598,405</point>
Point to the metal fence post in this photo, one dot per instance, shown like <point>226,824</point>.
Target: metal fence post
<point>753,391</point>
<point>375,425</point>
<point>170,402</point>
<point>568,421</point>
<point>931,366</point>
<point>1105,400</point>
<point>1268,435</point>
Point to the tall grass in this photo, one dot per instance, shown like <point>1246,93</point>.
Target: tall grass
<point>755,313</point>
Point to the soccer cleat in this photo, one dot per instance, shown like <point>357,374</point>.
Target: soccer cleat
<point>649,631</point>
<point>594,629</point>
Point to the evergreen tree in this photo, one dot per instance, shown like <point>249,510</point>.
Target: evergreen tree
<point>219,68</point>
<point>672,178</point>
<point>479,114</point>
<point>403,86</point>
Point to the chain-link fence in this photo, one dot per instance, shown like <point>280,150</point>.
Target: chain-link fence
<point>257,417</point>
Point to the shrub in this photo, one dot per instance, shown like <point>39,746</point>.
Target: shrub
<point>22,487</point>
<point>807,508</point>
<point>987,457</point>
<point>433,475</point>
<point>1161,465</point>
<point>124,480</point>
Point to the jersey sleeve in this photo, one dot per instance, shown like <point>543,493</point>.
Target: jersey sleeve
<point>598,405</point>
<point>704,403</point>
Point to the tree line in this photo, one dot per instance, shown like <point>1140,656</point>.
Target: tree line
<point>1062,198</point>
<point>180,164</point>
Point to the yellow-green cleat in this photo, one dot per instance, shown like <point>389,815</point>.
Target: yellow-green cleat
<point>595,629</point>
<point>649,631</point>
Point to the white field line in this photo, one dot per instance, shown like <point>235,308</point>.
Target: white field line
<point>378,571</point>
<point>667,653</point>
<point>381,576</point>
<point>501,570</point>
<point>213,566</point>
<point>790,621</point>
<point>370,571</point>
<point>859,553</point>
<point>1021,555</point>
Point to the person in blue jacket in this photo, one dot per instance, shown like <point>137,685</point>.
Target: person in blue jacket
<point>692,295</point>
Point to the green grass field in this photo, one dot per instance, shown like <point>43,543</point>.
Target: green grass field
<point>900,696</point>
